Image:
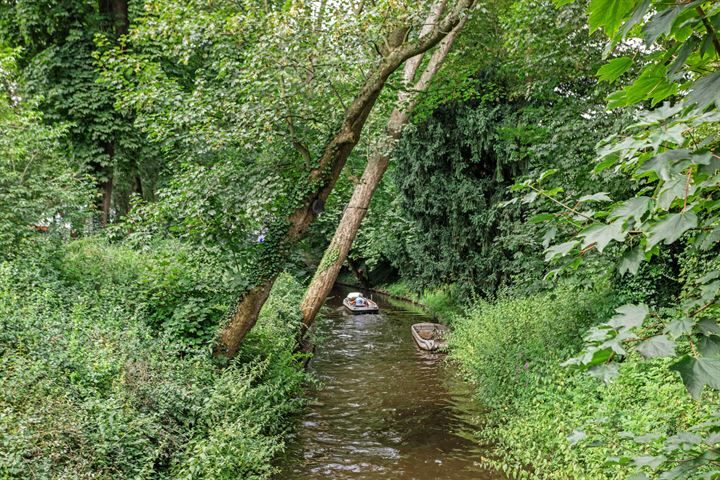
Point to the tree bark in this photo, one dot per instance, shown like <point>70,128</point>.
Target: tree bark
<point>340,245</point>
<point>360,274</point>
<point>116,12</point>
<point>330,164</point>
<point>106,185</point>
<point>107,188</point>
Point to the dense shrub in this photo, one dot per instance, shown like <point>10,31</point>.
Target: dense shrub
<point>91,388</point>
<point>181,290</point>
<point>546,421</point>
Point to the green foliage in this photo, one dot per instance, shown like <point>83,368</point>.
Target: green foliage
<point>182,292</point>
<point>56,45</point>
<point>89,390</point>
<point>440,217</point>
<point>548,423</point>
<point>499,338</point>
<point>104,346</point>
<point>675,176</point>
<point>38,186</point>
<point>670,157</point>
<point>453,173</point>
<point>247,95</point>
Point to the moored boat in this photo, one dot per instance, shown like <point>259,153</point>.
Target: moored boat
<point>430,336</point>
<point>368,308</point>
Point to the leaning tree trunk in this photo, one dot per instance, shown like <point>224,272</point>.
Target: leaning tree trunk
<point>337,251</point>
<point>324,176</point>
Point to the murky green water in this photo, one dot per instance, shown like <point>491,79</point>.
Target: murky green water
<point>387,410</point>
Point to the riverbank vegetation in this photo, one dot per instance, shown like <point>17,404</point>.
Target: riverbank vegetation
<point>182,182</point>
<point>106,372</point>
<point>548,422</point>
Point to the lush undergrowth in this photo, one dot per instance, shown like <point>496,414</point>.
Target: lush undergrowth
<point>102,376</point>
<point>546,421</point>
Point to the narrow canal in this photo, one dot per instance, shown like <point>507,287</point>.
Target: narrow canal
<point>385,410</point>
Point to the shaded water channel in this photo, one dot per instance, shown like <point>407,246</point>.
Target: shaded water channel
<point>386,409</point>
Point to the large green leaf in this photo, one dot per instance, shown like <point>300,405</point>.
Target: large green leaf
<point>651,84</point>
<point>664,165</point>
<point>682,440</point>
<point>615,344</point>
<point>608,14</point>
<point>708,326</point>
<point>629,316</point>
<point>660,24</point>
<point>705,91</point>
<point>670,228</point>
<point>596,356</point>
<point>664,135</point>
<point>612,70</point>
<point>709,346</point>
<point>549,236</point>
<point>631,260</point>
<point>679,327</point>
<point>606,372</point>
<point>650,461</point>
<point>698,372</point>
<point>637,15</point>
<point>595,197</point>
<point>682,55</point>
<point>633,208</point>
<point>602,235</point>
<point>657,347</point>
<point>676,187</point>
<point>709,239</point>
<point>560,250</point>
<point>541,217</point>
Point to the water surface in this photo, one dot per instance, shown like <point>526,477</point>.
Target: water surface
<point>386,409</point>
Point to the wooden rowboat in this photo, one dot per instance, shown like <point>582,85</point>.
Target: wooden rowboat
<point>349,303</point>
<point>430,336</point>
<point>370,308</point>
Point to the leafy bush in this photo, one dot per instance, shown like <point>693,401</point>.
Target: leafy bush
<point>90,389</point>
<point>182,291</point>
<point>546,422</point>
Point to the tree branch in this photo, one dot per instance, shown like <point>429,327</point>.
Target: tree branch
<point>708,26</point>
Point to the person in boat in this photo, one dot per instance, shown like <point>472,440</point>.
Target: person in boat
<point>360,301</point>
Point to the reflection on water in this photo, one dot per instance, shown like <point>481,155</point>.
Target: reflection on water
<point>387,410</point>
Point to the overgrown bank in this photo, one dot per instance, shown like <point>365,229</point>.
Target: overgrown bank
<point>106,371</point>
<point>547,421</point>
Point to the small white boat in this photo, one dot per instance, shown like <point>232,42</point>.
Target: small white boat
<point>430,336</point>
<point>349,303</point>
